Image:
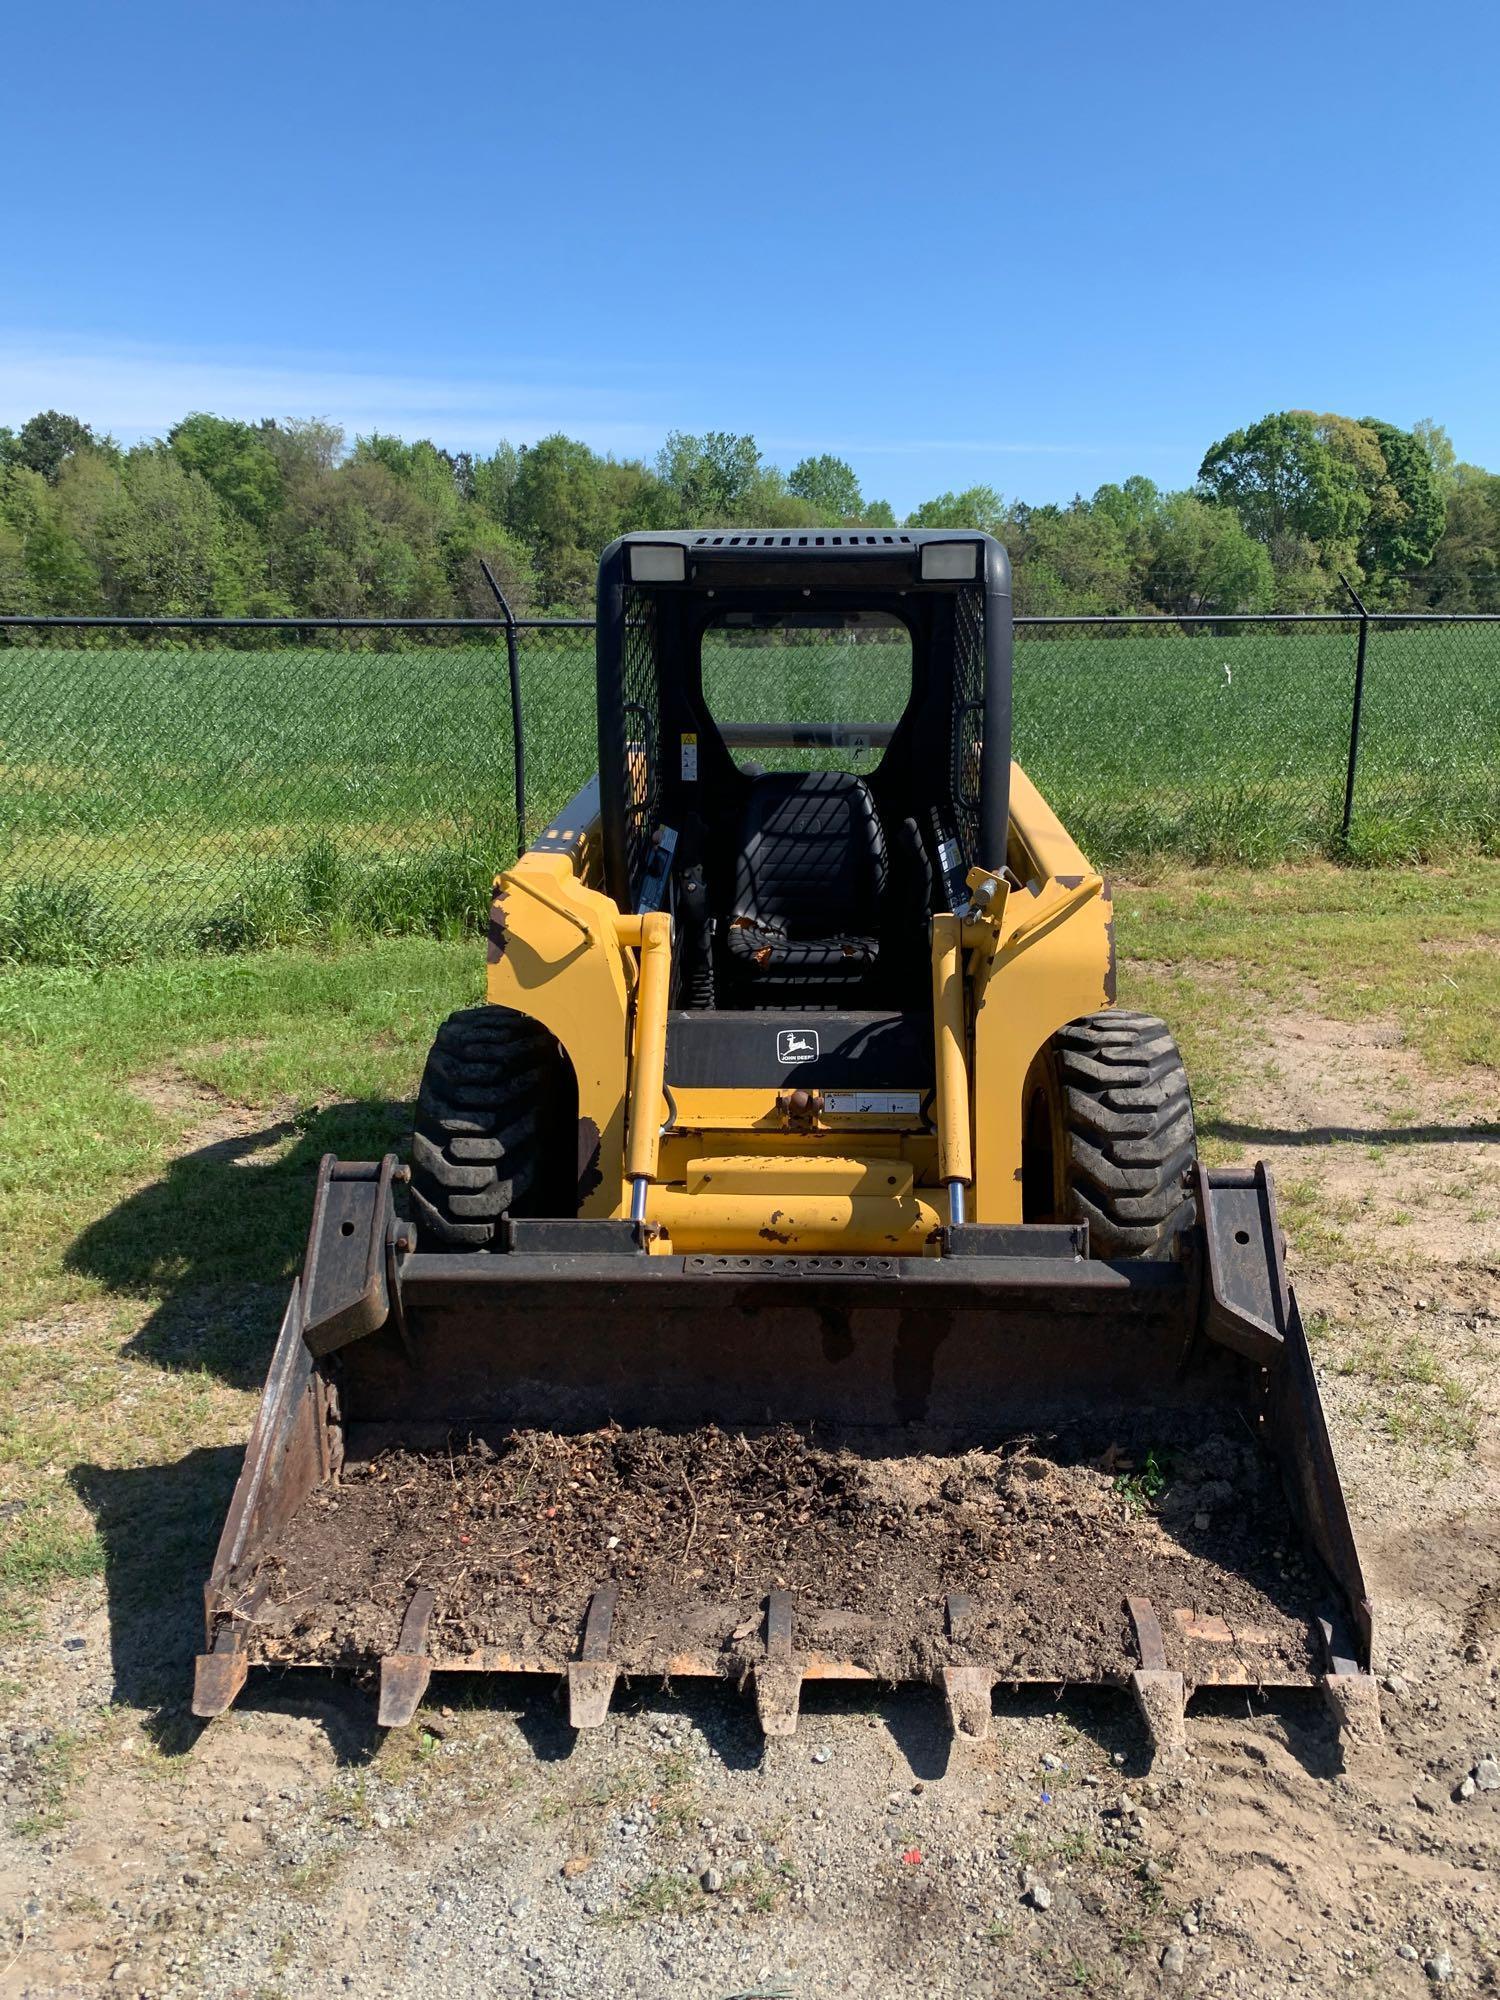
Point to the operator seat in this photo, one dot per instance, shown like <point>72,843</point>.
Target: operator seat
<point>810,880</point>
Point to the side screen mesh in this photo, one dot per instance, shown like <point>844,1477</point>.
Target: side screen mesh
<point>641,701</point>
<point>968,716</point>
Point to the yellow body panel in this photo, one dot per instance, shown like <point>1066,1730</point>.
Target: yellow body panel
<point>1004,983</point>
<point>1050,960</point>
<point>555,954</point>
<point>781,1203</point>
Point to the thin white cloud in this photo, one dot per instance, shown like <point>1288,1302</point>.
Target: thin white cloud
<point>139,391</point>
<point>908,447</point>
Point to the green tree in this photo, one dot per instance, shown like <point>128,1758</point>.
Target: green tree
<point>60,574</point>
<point>304,445</point>
<point>495,483</point>
<point>15,578</point>
<point>238,461</point>
<point>768,504</point>
<point>1464,574</point>
<point>1284,481</point>
<point>1441,456</point>
<point>1300,485</point>
<point>566,503</point>
<point>975,507</point>
<point>46,441</point>
<point>1406,516</point>
<point>62,577</point>
<point>476,540</point>
<point>1073,558</point>
<point>1132,506</point>
<point>830,488</point>
<point>712,477</point>
<point>165,546</point>
<point>1201,559</point>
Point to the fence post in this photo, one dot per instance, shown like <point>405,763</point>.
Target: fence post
<point>517,731</point>
<point>1356,708</point>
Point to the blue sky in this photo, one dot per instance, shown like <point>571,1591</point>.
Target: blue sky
<point>1039,247</point>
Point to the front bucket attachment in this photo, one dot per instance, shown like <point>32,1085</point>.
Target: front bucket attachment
<point>1006,1464</point>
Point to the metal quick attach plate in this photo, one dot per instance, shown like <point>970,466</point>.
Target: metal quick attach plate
<point>793,1267</point>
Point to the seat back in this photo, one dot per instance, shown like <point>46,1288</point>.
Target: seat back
<point>812,856</point>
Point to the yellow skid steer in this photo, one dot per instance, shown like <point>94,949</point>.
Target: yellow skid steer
<point>803,1268</point>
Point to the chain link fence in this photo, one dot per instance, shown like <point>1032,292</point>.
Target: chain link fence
<point>218,785</point>
<point>1256,739</point>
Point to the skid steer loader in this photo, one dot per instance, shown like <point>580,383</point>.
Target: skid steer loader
<point>803,1268</point>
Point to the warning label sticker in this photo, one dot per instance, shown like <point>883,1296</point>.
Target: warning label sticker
<point>689,758</point>
<point>874,1103</point>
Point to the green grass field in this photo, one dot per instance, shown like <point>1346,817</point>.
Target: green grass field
<point>189,795</point>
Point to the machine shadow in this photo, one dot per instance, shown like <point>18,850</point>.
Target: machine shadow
<point>157,1525</point>
<point>1236,1133</point>
<point>218,1237</point>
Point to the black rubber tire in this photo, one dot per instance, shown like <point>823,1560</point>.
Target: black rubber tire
<point>485,1136</point>
<point>1122,1113</point>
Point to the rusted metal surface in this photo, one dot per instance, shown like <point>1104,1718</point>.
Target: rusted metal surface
<point>220,1673</point>
<point>958,1615</point>
<point>1247,1305</point>
<point>967,1693</point>
<point>1298,1436</point>
<point>496,933</point>
<point>405,1673</point>
<point>217,1680</point>
<point>779,1675</point>
<point>1160,1694</point>
<point>289,1453</point>
<point>592,1676</point>
<point>1147,1627</point>
<point>346,1279</point>
<point>966,1689</point>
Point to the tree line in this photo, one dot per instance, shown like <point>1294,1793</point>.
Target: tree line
<point>273,519</point>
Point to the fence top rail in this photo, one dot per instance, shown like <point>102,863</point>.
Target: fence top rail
<point>1257,618</point>
<point>70,621</point>
<point>260,624</point>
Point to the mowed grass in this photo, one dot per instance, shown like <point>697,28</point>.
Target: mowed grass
<point>194,795</point>
<point>163,1123</point>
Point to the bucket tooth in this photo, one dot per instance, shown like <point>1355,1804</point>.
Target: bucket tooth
<point>1161,1698</point>
<point>592,1676</point>
<point>778,1678</point>
<point>219,1674</point>
<point>1160,1694</point>
<point>966,1689</point>
<point>1351,1695</point>
<point>967,1692</point>
<point>405,1673</point>
<point>217,1678</point>
<point>1355,1702</point>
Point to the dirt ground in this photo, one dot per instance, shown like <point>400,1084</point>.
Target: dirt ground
<point>287,1850</point>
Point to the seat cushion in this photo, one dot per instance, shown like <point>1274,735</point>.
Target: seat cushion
<point>765,948</point>
<point>810,879</point>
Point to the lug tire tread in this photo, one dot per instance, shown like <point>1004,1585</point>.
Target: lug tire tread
<point>481,1125</point>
